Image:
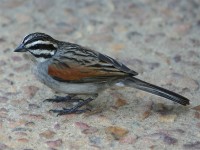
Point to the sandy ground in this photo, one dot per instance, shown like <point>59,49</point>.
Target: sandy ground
<point>158,39</point>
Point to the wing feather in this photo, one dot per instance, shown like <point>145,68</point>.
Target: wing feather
<point>84,65</point>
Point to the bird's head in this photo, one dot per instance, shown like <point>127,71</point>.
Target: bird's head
<point>40,45</point>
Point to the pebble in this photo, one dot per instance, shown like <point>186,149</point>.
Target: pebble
<point>161,108</point>
<point>130,139</point>
<point>29,124</point>
<point>197,108</point>
<point>85,128</point>
<point>21,129</point>
<point>22,68</point>
<point>16,58</point>
<point>56,126</point>
<point>82,125</point>
<point>33,116</point>
<point>177,58</point>
<point>167,118</point>
<point>147,110</point>
<point>54,144</point>
<point>48,134</point>
<point>33,106</point>
<point>2,63</point>
<point>3,146</point>
<point>167,139</point>
<point>182,81</point>
<point>198,125</point>
<point>3,99</point>
<point>145,114</point>
<point>133,34</point>
<point>197,115</point>
<point>23,140</point>
<point>192,146</point>
<point>31,90</point>
<point>44,5</point>
<point>116,132</point>
<point>117,47</point>
<point>120,102</point>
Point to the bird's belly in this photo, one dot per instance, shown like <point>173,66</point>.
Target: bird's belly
<point>41,74</point>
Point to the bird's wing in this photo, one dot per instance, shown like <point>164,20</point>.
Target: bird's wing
<point>83,65</point>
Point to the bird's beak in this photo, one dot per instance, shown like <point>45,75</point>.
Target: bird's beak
<point>20,48</point>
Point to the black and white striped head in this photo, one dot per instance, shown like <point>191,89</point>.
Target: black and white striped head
<point>40,45</point>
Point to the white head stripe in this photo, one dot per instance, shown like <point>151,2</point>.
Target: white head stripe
<point>38,52</point>
<point>39,42</point>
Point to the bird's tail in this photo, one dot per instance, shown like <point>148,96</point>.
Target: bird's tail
<point>139,84</point>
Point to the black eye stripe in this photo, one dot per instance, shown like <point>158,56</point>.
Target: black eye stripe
<point>43,46</point>
<point>42,55</point>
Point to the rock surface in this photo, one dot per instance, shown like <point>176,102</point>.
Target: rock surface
<point>158,39</point>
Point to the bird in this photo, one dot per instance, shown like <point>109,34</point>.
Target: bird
<point>73,69</point>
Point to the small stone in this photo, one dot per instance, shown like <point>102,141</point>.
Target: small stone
<point>145,114</point>
<point>82,125</point>
<point>153,65</point>
<point>16,58</point>
<point>56,126</point>
<point>3,146</point>
<point>11,4</point>
<point>48,134</point>
<point>23,140</point>
<point>182,81</point>
<point>30,124</point>
<point>147,110</point>
<point>85,128</point>
<point>54,144</point>
<point>23,18</point>
<point>3,99</point>
<point>192,146</point>
<point>160,108</point>
<point>34,116</point>
<point>2,63</point>
<point>167,118</point>
<point>117,47</point>
<point>198,125</point>
<point>93,112</point>
<point>182,29</point>
<point>2,40</point>
<point>90,130</point>
<point>31,90</point>
<point>177,58</point>
<point>197,115</point>
<point>116,132</point>
<point>120,102</point>
<point>130,139</point>
<point>44,5</point>
<point>133,34</point>
<point>22,68</point>
<point>167,139</point>
<point>95,140</point>
<point>197,108</point>
<point>195,42</point>
<point>33,106</point>
<point>21,129</point>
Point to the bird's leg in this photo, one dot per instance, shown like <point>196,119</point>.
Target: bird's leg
<point>75,109</point>
<point>68,98</point>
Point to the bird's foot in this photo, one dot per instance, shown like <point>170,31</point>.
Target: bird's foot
<point>68,98</point>
<point>73,110</point>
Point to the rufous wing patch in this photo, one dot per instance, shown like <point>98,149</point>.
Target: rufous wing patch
<point>73,73</point>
